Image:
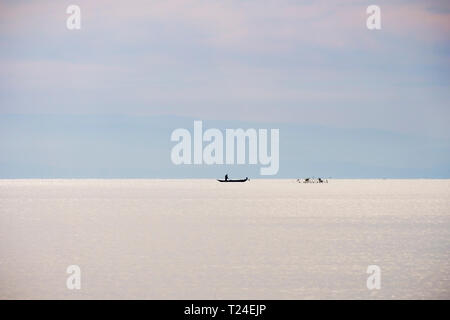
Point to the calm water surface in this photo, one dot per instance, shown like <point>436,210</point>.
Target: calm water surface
<point>200,239</point>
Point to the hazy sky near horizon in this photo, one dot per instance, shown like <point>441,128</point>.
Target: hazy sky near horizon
<point>271,61</point>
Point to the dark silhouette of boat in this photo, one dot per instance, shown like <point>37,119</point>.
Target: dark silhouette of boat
<point>235,180</point>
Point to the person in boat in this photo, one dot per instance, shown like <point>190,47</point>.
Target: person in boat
<point>226,177</point>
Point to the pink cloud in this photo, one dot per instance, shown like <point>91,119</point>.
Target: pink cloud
<point>238,25</point>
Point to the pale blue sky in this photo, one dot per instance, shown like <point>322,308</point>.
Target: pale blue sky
<point>305,66</point>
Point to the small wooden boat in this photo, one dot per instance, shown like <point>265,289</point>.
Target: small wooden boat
<point>235,180</point>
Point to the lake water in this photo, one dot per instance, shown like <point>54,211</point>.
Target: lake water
<point>201,239</point>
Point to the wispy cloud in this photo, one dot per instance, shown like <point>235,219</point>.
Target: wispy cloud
<point>300,61</point>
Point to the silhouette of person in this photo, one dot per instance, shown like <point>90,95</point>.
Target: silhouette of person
<point>226,177</point>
